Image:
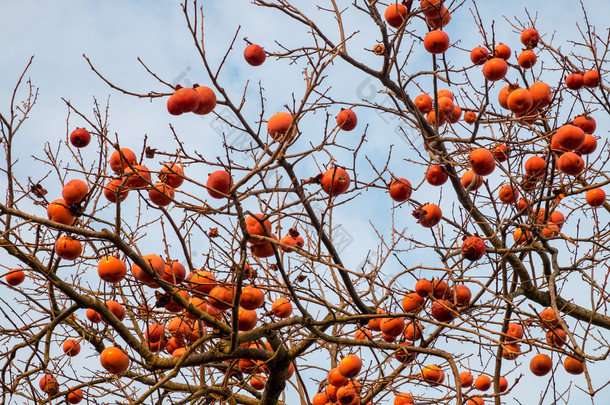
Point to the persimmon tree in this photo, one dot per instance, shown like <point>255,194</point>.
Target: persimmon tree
<point>131,277</point>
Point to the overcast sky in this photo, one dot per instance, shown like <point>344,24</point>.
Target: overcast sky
<point>114,33</point>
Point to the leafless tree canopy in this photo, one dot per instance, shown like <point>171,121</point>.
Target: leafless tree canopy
<point>461,289</point>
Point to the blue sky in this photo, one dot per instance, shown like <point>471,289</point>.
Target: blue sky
<point>114,33</point>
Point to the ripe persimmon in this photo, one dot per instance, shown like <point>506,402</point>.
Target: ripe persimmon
<point>264,249</point>
<point>75,396</point>
<point>502,51</point>
<point>466,379</point>
<point>392,326</point>
<point>254,55</point>
<point>430,7</point>
<point>437,175</point>
<point>470,117</point>
<point>219,183</point>
<point>514,332</point>
<point>511,351</point>
<point>423,287</point>
<point>395,14</point>
<point>573,366</point>
<point>68,248</point>
<point>527,59</point>
<point>403,399</point>
<point>137,176</point>
<point>445,93</point>
<point>347,120</point>
<point>71,347</point>
<point>80,138</point>
<point>93,316</point>
<point>504,93</point>
<point>121,159</point>
<point>400,189</point>
<point>291,240</point>
<point>155,262</point>
<point>541,93</point>
<point>570,163</point>
<point>500,152</point>
<point>436,42</point>
<point>443,310</point>
<point>161,194</point>
<point>461,295</point>
<point>454,118</point>
<point>423,102</point>
<point>535,166</point>
<point>363,334</point>
<point>207,100</point>
<point>182,101</point>
<point>473,248</point>
<point>431,118</point>
<point>172,174</point>
<point>433,374</point>
<point>116,308</point>
<point>522,236</point>
<point>201,280</point>
<point>375,323</point>
<point>445,107</point>
<point>74,191</point>
<point>495,69</point>
<point>530,38</point>
<point>282,307</point>
<point>439,18</point>
<point>58,211</point>
<point>570,137</point>
<point>520,101</point>
<point>350,366</point>
<point>221,297</point>
<point>251,297</point>
<point>320,398</point>
<point>15,277</point>
<point>482,382</point>
<point>278,124</point>
<point>111,269</point>
<point>479,55</point>
<point>440,289</point>
<point>154,332</point>
<point>196,302</point>
<point>575,81</point>
<point>335,181</point>
<point>595,197</point>
<point>556,337</point>
<point>548,318</point>
<point>413,331</point>
<point>114,360</point>
<point>541,364</point>
<point>256,226</point>
<point>591,78</point>
<point>247,319</point>
<point>173,305</point>
<point>471,181</point>
<point>428,215</point>
<point>586,123</point>
<point>175,272</point>
<point>404,355</point>
<point>48,384</point>
<point>412,302</point>
<point>482,161</point>
<point>508,194</point>
<point>116,190</point>
<point>502,384</point>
